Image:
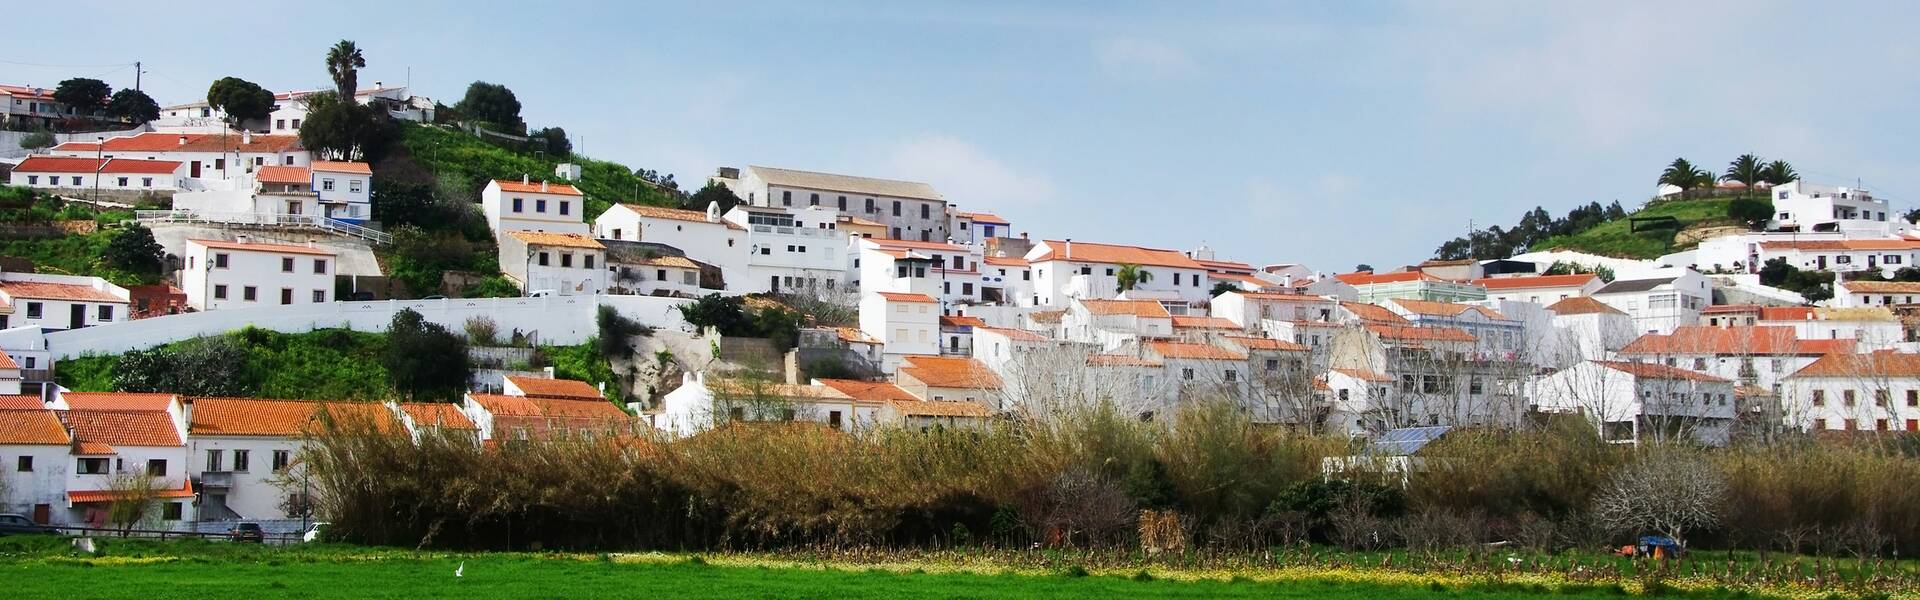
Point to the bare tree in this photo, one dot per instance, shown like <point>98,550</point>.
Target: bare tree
<point>133,498</point>
<point>1667,491</point>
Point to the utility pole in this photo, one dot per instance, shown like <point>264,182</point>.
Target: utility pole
<point>136,76</point>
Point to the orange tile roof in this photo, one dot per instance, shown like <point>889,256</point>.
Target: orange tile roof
<point>157,142</point>
<point>1831,245</point>
<point>1435,334</point>
<point>677,262</point>
<point>1018,335</point>
<point>1191,351</point>
<point>1138,308</point>
<point>1204,323</point>
<point>1582,305</point>
<point>279,418</point>
<point>1048,316</point>
<point>1260,343</point>
<point>283,174</point>
<point>1225,265</point>
<point>437,415</point>
<point>1090,252</point>
<point>40,290</point>
<point>352,168</point>
<point>522,406</point>
<point>1657,371</point>
<point>855,336</point>
<point>868,391</point>
<point>118,401</point>
<point>1882,287</point>
<point>563,240</point>
<point>91,496</point>
<point>891,244</point>
<point>534,188</point>
<point>1370,278</point>
<point>938,408</point>
<point>1362,374</point>
<point>32,427</point>
<point>980,217</point>
<point>1121,360</point>
<point>1283,296</point>
<point>123,427</point>
<point>1744,340</point>
<point>1882,364</point>
<point>22,402</point>
<point>1445,309</point>
<point>261,247</point>
<point>1731,308</point>
<point>961,321</point>
<point>540,387</point>
<point>1373,313</point>
<point>949,372</point>
<point>27,91</point>
<point>1787,313</point>
<point>676,214</point>
<point>6,362</point>
<point>1242,278</point>
<point>1002,261</point>
<point>79,165</point>
<point>899,297</point>
<point>1535,281</point>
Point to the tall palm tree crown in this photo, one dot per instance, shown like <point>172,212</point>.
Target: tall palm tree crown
<point>1130,275</point>
<point>1779,173</point>
<point>343,63</point>
<point>1745,169</point>
<point>1682,174</point>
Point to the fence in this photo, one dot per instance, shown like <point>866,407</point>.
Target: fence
<point>269,538</point>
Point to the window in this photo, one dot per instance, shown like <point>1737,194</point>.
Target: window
<point>1273,365</point>
<point>923,212</point>
<point>286,295</point>
<point>249,293</point>
<point>76,180</point>
<point>1186,374</point>
<point>319,296</point>
<point>1913,397</point>
<point>1819,397</point>
<point>586,261</point>
<point>786,198</point>
<point>565,207</point>
<point>540,205</point>
<point>843,204</point>
<point>220,260</point>
<point>296,123</point>
<point>517,204</point>
<point>122,182</point>
<point>25,464</point>
<point>1110,274</point>
<point>157,467</point>
<point>106,312</point>
<point>814,200</point>
<point>566,260</point>
<point>92,466</point>
<point>220,292</point>
<point>215,459</point>
<point>541,259</point>
<point>319,266</point>
<point>353,185</point>
<point>170,511</point>
<point>869,205</point>
<point>1699,364</point>
<point>240,460</point>
<point>966,288</point>
<point>326,185</point>
<point>286,264</point>
<point>33,180</point>
<point>692,279</point>
<point>1846,397</point>
<point>1882,397</point>
<point>896,203</point>
<point>281,458</point>
<point>1232,375</point>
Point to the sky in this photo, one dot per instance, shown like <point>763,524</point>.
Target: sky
<point>1323,133</point>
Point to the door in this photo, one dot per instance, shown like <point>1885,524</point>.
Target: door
<point>196,170</point>
<point>1823,263</point>
<point>77,315</point>
<point>293,207</point>
<point>774,285</point>
<point>42,513</point>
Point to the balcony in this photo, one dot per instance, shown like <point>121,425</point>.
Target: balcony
<point>216,480</point>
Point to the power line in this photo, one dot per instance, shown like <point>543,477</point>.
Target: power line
<point>48,66</point>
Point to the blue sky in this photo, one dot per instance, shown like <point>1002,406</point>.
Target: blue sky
<point>1324,133</point>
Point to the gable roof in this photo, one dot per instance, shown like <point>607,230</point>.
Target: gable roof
<point>1535,281</point>
<point>21,402</point>
<point>1204,323</point>
<point>1742,340</point>
<point>1191,351</point>
<point>562,240</point>
<point>1444,309</point>
<point>1657,371</point>
<point>333,166</point>
<point>41,290</point>
<point>1881,364</point>
<point>541,387</point>
<point>676,214</point>
<point>987,218</point>
<point>559,408</point>
<point>283,174</point>
<point>903,297</point>
<point>1371,278</point>
<point>437,414</point>
<point>949,372</point>
<point>1374,313</point>
<point>1583,305</point>
<point>260,247</point>
<point>845,183</point>
<point>868,391</point>
<point>1018,335</point>
<point>278,418</point>
<point>32,427</point>
<point>1634,285</point>
<point>1091,252</point>
<point>121,428</point>
<point>1411,333</point>
<point>961,321</point>
<point>1138,308</point>
<point>137,401</point>
<point>1882,287</point>
<point>534,187</point>
<point>155,141</point>
<point>87,165</point>
<point>938,408</point>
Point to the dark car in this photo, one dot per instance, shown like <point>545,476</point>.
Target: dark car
<point>248,532</point>
<point>12,524</point>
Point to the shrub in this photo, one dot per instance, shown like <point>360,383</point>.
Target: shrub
<point>481,330</point>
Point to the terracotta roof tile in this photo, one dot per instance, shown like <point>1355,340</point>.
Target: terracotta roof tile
<point>1047,317</point>
<point>1002,261</point>
<point>91,496</point>
<point>283,174</point>
<point>868,391</point>
<point>961,321</point>
<point>540,387</point>
<point>554,408</point>
<point>980,217</point>
<point>1434,334</point>
<point>1138,308</point>
<point>351,168</point>
<point>261,247</point>
<point>123,427</point>
<point>1090,252</point>
<point>158,142</point>
<point>1204,323</point>
<point>1582,305</point>
<point>86,166</point>
<point>35,426</point>
<point>22,402</point>
<point>1260,343</point>
<point>1833,245</point>
<point>676,214</point>
<point>899,297</point>
<point>1758,340</point>
<point>950,372</point>
<point>279,418</point>
<point>1371,278</point>
<point>1191,351</point>
<point>533,187</point>
<point>1882,364</point>
<point>1018,335</point>
<point>1657,371</point>
<point>1373,313</point>
<point>40,290</point>
<point>1535,281</point>
<point>436,415</point>
<point>118,401</point>
<point>1882,287</point>
<point>563,240</point>
<point>1122,360</point>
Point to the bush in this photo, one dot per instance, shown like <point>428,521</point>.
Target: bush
<point>424,360</point>
<point>615,339</point>
<point>481,330</point>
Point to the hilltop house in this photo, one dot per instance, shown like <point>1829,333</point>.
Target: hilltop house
<point>221,274</point>
<point>1065,269</point>
<point>533,206</point>
<point>205,155</point>
<point>909,210</point>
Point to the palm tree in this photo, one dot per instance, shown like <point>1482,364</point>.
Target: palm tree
<point>1682,174</point>
<point>343,63</point>
<point>1745,169</point>
<point>1131,275</point>
<point>1778,173</point>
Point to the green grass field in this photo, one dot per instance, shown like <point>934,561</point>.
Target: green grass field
<point>1616,238</point>
<point>43,567</point>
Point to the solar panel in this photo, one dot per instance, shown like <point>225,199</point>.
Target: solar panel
<point>1406,441</point>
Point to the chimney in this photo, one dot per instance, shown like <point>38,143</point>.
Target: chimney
<point>713,212</point>
<point>543,186</point>
<point>523,179</point>
<point>183,140</point>
<point>1068,252</point>
<point>246,136</point>
<point>242,238</point>
<point>377,86</point>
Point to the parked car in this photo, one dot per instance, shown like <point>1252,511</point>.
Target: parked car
<point>360,296</point>
<point>248,532</point>
<point>433,297</point>
<point>542,293</point>
<point>313,532</point>
<point>16,524</point>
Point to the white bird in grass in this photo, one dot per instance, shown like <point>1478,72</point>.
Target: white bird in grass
<point>460,569</point>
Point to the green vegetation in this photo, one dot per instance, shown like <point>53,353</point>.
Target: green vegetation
<point>326,364</point>
<point>424,360</point>
<point>1616,238</point>
<point>74,254</point>
<point>470,163</point>
<point>1813,285</point>
<point>240,99</point>
<point>581,362</point>
<point>734,316</point>
<point>1534,226</point>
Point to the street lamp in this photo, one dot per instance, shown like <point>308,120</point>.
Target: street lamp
<point>99,164</point>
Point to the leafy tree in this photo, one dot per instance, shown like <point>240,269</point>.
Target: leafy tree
<point>1363,267</point>
<point>1222,288</point>
<point>44,139</point>
<point>1682,174</point>
<point>1131,275</point>
<point>1912,216</point>
<point>424,360</point>
<point>133,106</point>
<point>343,64</point>
<point>711,193</point>
<point>1746,170</point>
<point>725,313</point>
<point>240,99</point>
<point>555,141</point>
<point>492,103</point>
<point>1754,213</point>
<point>1813,285</point>
<point>346,130</point>
<point>214,366</point>
<point>83,94</point>
<point>133,249</point>
<point>1779,173</point>
<point>617,331</point>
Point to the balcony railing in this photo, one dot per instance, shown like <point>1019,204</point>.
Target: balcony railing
<point>265,220</point>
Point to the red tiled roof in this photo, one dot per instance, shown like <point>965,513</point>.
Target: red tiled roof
<point>1018,335</point>
<point>1370,278</point>
<point>1362,374</point>
<point>1657,371</point>
<point>1373,313</point>
<point>278,418</point>
<point>1882,364</point>
<point>891,244</point>
<point>980,217</point>
<point>283,174</point>
<point>562,240</point>
<point>868,391</point>
<point>534,188</point>
<point>1786,313</point>
<point>21,403</point>
<point>75,164</point>
<point>1191,351</point>
<point>157,142</point>
<point>6,362</point>
<point>123,427</point>
<point>436,415</point>
<point>91,496</point>
<point>1536,281</point>
<point>1260,343</point>
<point>1204,323</point>
<point>57,291</point>
<point>1435,334</point>
<point>1225,265</point>
<point>1444,309</point>
<point>1882,287</point>
<point>540,387</point>
<point>261,247</point>
<point>1731,308</point>
<point>676,214</point>
<point>352,168</point>
<point>1582,305</point>
<point>1138,308</point>
<point>949,372</point>
<point>118,401</point>
<point>1745,340</point>
<point>34,426</point>
<point>900,297</point>
<point>27,91</point>
<point>1002,261</point>
<point>961,321</point>
<point>1090,252</point>
<point>522,406</point>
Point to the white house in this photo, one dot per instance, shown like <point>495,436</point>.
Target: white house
<point>975,228</point>
<point>1110,324</point>
<point>1066,269</point>
<point>58,302</point>
<point>1859,294</point>
<point>242,451</point>
<point>206,155</point>
<point>949,272</point>
<point>703,235</point>
<point>1871,328</point>
<point>1802,206</point>
<point>533,206</point>
<point>910,210</point>
<point>905,324</point>
<point>1630,402</point>
<point>791,249</point>
<point>566,264</point>
<point>220,274</point>
<point>344,189</point>
<point>703,403</point>
<point>1878,391</point>
<point>1540,289</point>
<point>950,379</point>
<point>34,447</point>
<point>1752,356</point>
<point>25,107</point>
<point>290,110</point>
<point>116,434</point>
<point>1581,329</point>
<point>1884,256</point>
<point>1659,300</point>
<point>115,174</point>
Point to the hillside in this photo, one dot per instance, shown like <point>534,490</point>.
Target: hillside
<point>1616,238</point>
<point>447,152</point>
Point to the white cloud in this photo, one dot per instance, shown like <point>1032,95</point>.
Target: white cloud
<point>967,175</point>
<point>1135,58</point>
